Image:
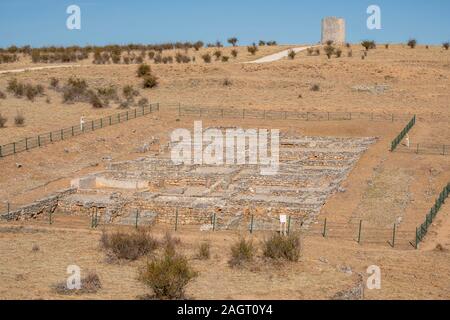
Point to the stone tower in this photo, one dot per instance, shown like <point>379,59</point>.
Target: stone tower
<point>333,29</point>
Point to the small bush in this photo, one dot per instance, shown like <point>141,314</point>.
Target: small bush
<point>252,49</point>
<point>143,70</point>
<point>143,102</point>
<point>315,87</point>
<point>292,54</point>
<point>96,102</point>
<point>234,53</point>
<point>54,83</point>
<point>350,53</point>
<point>317,52</point>
<point>446,45</point>
<point>89,285</point>
<point>225,59</point>
<point>124,246</point>
<point>2,95</point>
<point>168,276</point>
<point>412,43</point>
<point>368,44</point>
<point>386,45</point>
<point>19,120</point>
<point>283,247</point>
<point>329,50</point>
<point>3,121</point>
<point>129,92</point>
<point>262,43</point>
<point>329,42</point>
<point>227,82</point>
<point>309,51</point>
<point>204,251</point>
<point>348,45</point>
<point>15,87</point>
<point>206,58</point>
<point>217,54</point>
<point>150,81</point>
<point>76,90</point>
<point>241,252</point>
<point>338,53</point>
<point>170,242</point>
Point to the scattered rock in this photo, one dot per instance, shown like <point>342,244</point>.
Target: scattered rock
<point>323,260</point>
<point>346,270</point>
<point>18,165</point>
<point>66,150</point>
<point>375,89</point>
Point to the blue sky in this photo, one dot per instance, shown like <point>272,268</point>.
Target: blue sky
<point>43,22</point>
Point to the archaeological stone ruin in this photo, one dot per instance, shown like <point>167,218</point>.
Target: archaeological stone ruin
<point>311,170</point>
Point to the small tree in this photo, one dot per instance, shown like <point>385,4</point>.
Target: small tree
<point>338,53</point>
<point>233,41</point>
<point>150,81</point>
<point>206,58</point>
<point>217,54</point>
<point>143,70</point>
<point>412,43</point>
<point>234,53</point>
<point>446,45</point>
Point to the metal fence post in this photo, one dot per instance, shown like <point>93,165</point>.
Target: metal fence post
<point>50,218</point>
<point>136,223</point>
<point>251,225</point>
<point>289,225</point>
<point>393,236</point>
<point>324,233</point>
<point>14,147</point>
<point>214,221</point>
<point>176,219</point>
<point>359,233</point>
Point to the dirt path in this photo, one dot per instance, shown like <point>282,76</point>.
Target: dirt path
<point>278,56</point>
<point>39,68</point>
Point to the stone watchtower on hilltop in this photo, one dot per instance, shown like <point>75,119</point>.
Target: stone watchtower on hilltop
<point>333,29</point>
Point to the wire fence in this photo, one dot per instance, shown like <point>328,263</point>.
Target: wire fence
<point>361,233</point>
<point>423,148</point>
<point>422,230</point>
<point>187,111</point>
<point>66,133</point>
<point>403,134</point>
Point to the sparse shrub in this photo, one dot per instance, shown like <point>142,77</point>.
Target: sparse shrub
<point>181,58</point>
<point>317,52</point>
<point>54,83</point>
<point>19,120</point>
<point>168,275</point>
<point>350,53</point>
<point>315,87</point>
<point>3,121</point>
<point>129,92</point>
<point>139,59</point>
<point>225,58</point>
<point>143,70</point>
<point>108,93</point>
<point>2,95</point>
<point>35,248</point>
<point>151,55</point>
<point>30,91</point>
<point>227,82</point>
<point>150,81</point>
<point>241,252</point>
<point>89,285</point>
<point>329,42</point>
<point>368,44</point>
<point>15,87</point>
<point>262,43</point>
<point>252,49</point>
<point>292,54</point>
<point>386,45</point>
<point>76,90</point>
<point>309,51</point>
<point>338,53</point>
<point>412,43</point>
<point>129,246</point>
<point>170,242</point>
<point>329,50</point>
<point>234,53</point>
<point>206,58</point>
<point>233,41</point>
<point>283,247</point>
<point>217,54</point>
<point>446,45</point>
<point>204,251</point>
<point>143,102</point>
<point>124,104</point>
<point>126,60</point>
<point>198,45</point>
<point>271,43</point>
<point>96,102</point>
<point>219,44</point>
<point>348,45</point>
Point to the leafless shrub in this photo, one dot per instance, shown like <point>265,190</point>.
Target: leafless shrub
<point>204,251</point>
<point>3,121</point>
<point>241,252</point>
<point>128,246</point>
<point>283,247</point>
<point>19,119</point>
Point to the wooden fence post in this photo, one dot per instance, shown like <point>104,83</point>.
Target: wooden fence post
<point>325,228</point>
<point>251,225</point>
<point>393,236</point>
<point>214,221</point>
<point>176,219</point>
<point>289,225</point>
